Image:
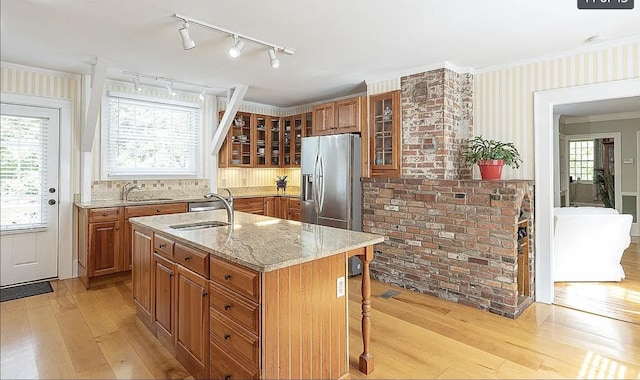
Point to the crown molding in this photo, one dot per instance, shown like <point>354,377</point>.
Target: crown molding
<point>597,118</point>
<point>10,65</point>
<point>562,54</point>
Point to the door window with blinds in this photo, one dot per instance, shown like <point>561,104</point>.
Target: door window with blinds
<point>150,138</point>
<point>24,174</point>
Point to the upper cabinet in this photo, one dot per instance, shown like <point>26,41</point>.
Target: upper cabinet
<point>384,134</point>
<point>260,141</point>
<point>343,116</point>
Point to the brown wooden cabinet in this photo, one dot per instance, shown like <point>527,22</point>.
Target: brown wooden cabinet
<point>192,332</point>
<point>253,205</point>
<point>293,211</point>
<point>323,119</point>
<point>384,135</point>
<point>343,116</point>
<point>164,305</point>
<point>142,243</point>
<point>105,248</point>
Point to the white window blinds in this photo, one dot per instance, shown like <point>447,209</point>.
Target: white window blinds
<point>149,138</point>
<point>23,172</point>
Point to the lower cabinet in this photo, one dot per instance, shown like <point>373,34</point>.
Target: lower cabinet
<point>276,207</point>
<point>192,349</point>
<point>105,247</point>
<point>164,311</point>
<point>227,321</point>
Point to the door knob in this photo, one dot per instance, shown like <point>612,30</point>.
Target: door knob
<point>52,190</point>
<point>52,202</point>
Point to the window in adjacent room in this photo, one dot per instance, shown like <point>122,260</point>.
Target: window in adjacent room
<point>150,138</point>
<point>581,160</point>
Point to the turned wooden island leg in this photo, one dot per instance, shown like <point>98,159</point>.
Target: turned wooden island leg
<point>366,358</point>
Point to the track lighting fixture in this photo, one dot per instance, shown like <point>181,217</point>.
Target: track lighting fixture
<point>136,83</point>
<point>171,90</point>
<point>169,82</point>
<point>187,42</point>
<point>236,49</point>
<point>275,62</point>
<point>238,40</point>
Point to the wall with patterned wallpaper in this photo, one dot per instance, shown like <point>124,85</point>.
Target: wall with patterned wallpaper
<point>503,97</point>
<point>40,82</point>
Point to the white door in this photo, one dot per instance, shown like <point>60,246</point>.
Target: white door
<point>29,193</point>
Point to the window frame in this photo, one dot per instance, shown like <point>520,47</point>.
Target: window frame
<point>104,129</point>
<point>582,180</point>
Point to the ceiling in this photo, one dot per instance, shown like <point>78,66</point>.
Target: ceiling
<point>338,44</point>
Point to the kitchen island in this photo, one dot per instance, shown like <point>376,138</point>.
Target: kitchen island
<point>264,298</point>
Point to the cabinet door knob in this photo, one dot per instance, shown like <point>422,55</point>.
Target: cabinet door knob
<point>117,228</point>
<point>170,274</point>
<point>157,210</point>
<point>227,377</point>
<point>227,276</point>
<point>162,245</point>
<point>105,214</point>
<point>227,336</point>
<point>227,306</point>
<point>204,294</point>
<point>187,258</point>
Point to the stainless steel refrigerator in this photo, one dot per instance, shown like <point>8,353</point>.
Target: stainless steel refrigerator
<point>331,193</point>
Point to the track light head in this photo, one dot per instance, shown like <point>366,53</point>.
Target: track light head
<point>236,49</point>
<point>171,90</point>
<point>136,84</point>
<point>187,42</point>
<point>275,62</point>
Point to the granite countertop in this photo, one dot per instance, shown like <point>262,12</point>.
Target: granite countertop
<point>259,242</point>
<point>175,199</point>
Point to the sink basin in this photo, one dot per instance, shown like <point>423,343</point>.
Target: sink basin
<point>199,225</point>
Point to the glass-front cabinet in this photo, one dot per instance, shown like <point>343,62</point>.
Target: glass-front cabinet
<point>262,140</point>
<point>239,140</point>
<point>385,134</point>
<point>274,130</point>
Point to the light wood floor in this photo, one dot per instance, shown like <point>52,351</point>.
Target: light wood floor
<point>74,333</point>
<point>620,300</point>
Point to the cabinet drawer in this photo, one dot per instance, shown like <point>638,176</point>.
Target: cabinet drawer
<point>238,309</point>
<point>231,336</point>
<point>190,258</point>
<point>242,280</point>
<point>251,205</point>
<point>163,246</point>
<point>294,203</point>
<point>223,367</point>
<point>158,209</point>
<point>105,214</point>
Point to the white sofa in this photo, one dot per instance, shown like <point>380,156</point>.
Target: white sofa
<point>589,243</point>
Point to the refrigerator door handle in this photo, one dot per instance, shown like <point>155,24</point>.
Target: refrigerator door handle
<point>321,185</point>
<point>316,186</point>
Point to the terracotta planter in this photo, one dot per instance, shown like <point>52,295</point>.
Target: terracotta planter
<point>491,169</point>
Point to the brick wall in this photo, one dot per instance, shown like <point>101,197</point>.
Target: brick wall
<point>437,119</point>
<point>454,239</point>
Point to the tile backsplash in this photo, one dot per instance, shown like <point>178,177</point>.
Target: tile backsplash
<point>109,190</point>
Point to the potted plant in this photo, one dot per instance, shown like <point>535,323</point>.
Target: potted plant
<point>491,156</point>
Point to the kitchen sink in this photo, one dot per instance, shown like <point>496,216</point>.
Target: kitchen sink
<point>199,225</point>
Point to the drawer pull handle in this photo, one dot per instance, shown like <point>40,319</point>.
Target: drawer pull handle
<point>204,294</point>
<point>170,274</point>
<point>105,214</point>
<point>162,245</point>
<point>187,258</point>
<point>227,377</point>
<point>227,306</point>
<point>117,228</point>
<point>227,276</point>
<point>227,336</point>
<point>157,210</point>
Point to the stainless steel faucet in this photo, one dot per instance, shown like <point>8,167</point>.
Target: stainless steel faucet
<point>127,188</point>
<point>227,202</point>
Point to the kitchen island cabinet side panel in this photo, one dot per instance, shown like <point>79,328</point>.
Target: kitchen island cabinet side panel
<point>141,273</point>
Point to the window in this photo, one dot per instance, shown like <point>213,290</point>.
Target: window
<point>149,138</point>
<point>581,160</point>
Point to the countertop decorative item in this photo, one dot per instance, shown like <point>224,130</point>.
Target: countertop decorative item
<point>491,156</point>
<point>281,183</point>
